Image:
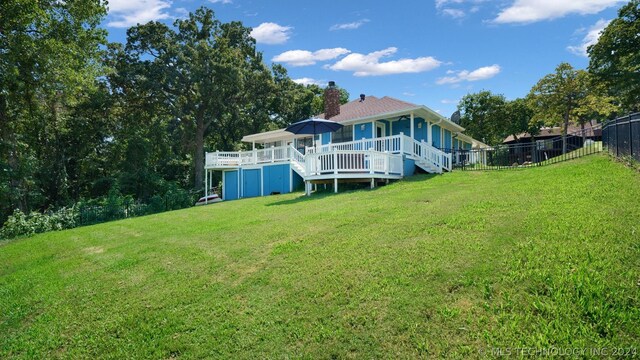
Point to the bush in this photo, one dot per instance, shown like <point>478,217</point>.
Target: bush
<point>21,224</point>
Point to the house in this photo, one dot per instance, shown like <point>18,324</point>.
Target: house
<point>381,139</point>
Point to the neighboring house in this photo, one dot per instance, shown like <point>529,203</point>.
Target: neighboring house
<point>548,143</point>
<point>382,139</point>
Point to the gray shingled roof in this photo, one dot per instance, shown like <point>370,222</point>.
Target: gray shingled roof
<point>371,106</point>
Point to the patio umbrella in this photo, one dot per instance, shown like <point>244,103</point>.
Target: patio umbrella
<point>313,126</point>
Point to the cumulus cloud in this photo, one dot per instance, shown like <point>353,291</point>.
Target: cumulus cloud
<point>271,33</point>
<point>370,65</point>
<point>309,81</point>
<point>349,26</point>
<point>127,13</point>
<point>220,1</point>
<point>483,73</point>
<point>591,37</point>
<point>305,57</point>
<point>528,11</point>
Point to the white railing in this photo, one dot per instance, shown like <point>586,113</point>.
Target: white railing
<point>352,161</point>
<point>354,156</point>
<point>251,157</point>
<point>389,144</point>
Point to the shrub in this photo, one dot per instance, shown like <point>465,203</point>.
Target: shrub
<point>21,224</point>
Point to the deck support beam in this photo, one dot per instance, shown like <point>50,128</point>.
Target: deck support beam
<point>411,127</point>
<point>335,185</point>
<point>373,183</point>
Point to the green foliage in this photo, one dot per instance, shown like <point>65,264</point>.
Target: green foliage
<point>432,266</point>
<point>615,61</point>
<point>21,224</point>
<point>483,116</point>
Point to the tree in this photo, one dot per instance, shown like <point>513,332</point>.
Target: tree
<point>556,96</point>
<point>615,59</point>
<point>483,116</point>
<point>208,73</point>
<point>49,61</point>
<point>520,119</point>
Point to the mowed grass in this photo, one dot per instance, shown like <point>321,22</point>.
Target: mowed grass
<point>434,266</point>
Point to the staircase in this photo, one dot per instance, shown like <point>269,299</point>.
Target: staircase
<point>429,158</point>
<point>297,161</point>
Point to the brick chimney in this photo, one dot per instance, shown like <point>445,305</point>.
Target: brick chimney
<point>331,100</point>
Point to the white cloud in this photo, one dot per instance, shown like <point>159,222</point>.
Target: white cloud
<point>271,33</point>
<point>126,13</point>
<point>449,101</point>
<point>304,57</point>
<point>528,11</point>
<point>309,81</point>
<point>349,26</point>
<point>454,13</point>
<point>220,1</point>
<point>370,65</point>
<point>407,93</point>
<point>482,73</point>
<point>592,36</point>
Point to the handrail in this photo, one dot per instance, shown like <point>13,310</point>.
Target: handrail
<point>387,143</point>
<point>353,161</point>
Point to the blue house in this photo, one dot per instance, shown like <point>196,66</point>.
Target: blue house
<point>382,139</point>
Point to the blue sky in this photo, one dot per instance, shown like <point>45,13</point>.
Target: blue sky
<point>425,52</point>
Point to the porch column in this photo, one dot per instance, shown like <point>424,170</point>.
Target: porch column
<point>373,183</point>
<point>429,136</point>
<point>412,133</point>
<point>373,129</point>
<point>335,185</point>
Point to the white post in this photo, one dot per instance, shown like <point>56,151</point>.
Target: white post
<point>386,162</point>
<point>429,136</point>
<point>401,143</point>
<point>371,160</point>
<point>373,129</point>
<point>206,186</point>
<point>253,145</point>
<point>255,156</point>
<point>335,162</point>
<point>272,151</point>
<point>411,127</point>
<point>335,185</point>
<point>373,183</point>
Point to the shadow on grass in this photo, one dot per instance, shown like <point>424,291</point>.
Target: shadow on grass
<point>323,193</point>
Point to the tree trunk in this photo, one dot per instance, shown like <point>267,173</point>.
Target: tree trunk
<point>199,155</point>
<point>565,126</point>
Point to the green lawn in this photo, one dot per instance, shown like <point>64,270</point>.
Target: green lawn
<point>435,266</point>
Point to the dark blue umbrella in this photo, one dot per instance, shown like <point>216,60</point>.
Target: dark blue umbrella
<point>313,126</point>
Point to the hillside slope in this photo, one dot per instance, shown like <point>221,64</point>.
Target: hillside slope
<point>448,265</point>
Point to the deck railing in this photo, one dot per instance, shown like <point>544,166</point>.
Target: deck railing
<point>373,148</point>
<point>353,161</point>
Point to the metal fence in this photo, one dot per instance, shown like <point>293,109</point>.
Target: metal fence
<point>530,151</point>
<point>621,136</point>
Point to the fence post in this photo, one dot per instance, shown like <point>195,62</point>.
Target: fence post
<point>630,136</point>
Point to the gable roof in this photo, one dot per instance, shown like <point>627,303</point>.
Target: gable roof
<point>546,132</point>
<point>371,106</point>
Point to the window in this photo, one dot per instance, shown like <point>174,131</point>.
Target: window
<point>544,144</point>
<point>343,135</point>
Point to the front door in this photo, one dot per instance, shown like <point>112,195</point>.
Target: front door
<point>380,132</point>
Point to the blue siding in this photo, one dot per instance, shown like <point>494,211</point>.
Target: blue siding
<point>251,183</point>
<point>420,129</point>
<point>276,179</point>
<point>359,133</point>
<point>467,146</point>
<point>402,126</point>
<point>447,139</point>
<point>409,166</point>
<point>435,133</point>
<point>326,138</point>
<point>230,185</point>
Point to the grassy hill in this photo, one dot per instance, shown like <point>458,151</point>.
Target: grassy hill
<point>433,266</point>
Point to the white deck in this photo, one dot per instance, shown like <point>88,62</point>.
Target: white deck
<point>380,158</point>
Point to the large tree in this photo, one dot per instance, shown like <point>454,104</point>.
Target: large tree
<point>483,116</point>
<point>556,97</point>
<point>208,74</point>
<point>615,59</point>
